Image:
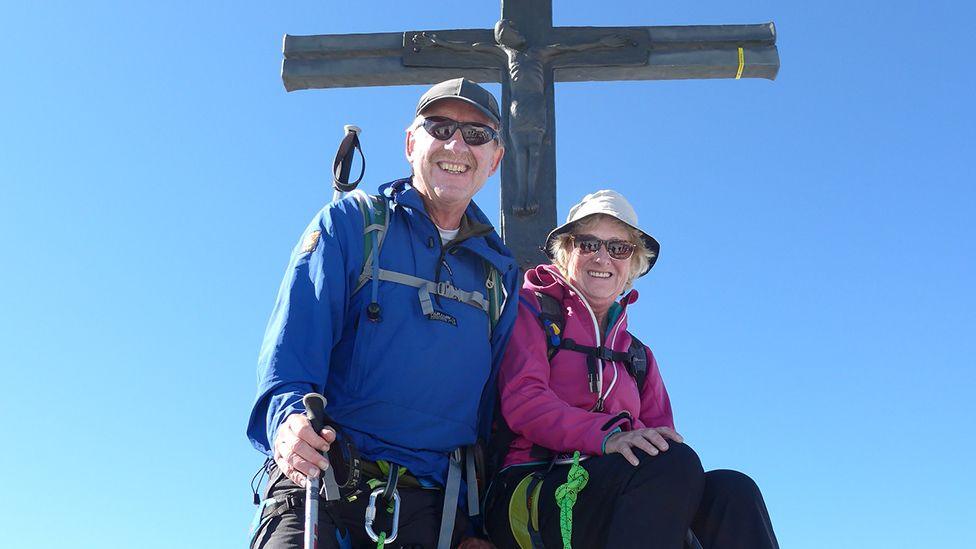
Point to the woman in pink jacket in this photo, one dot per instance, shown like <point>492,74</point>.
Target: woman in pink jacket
<point>594,460</point>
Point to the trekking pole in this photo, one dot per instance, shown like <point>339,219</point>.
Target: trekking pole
<point>315,411</point>
<point>342,164</point>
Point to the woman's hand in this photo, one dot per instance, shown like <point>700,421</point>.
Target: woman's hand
<point>650,440</point>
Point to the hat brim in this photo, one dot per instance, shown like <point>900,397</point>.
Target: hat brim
<point>481,108</point>
<point>649,241</point>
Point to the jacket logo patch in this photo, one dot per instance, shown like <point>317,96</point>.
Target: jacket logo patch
<point>311,242</point>
<point>443,317</point>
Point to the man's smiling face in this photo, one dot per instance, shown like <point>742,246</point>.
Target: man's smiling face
<point>449,173</point>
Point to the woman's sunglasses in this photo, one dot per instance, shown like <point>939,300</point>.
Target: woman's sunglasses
<point>589,244</point>
<point>442,128</point>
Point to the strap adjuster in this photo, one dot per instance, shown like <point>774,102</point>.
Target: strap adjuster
<point>603,353</point>
<point>446,289</point>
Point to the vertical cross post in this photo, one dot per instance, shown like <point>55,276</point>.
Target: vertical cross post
<point>523,232</point>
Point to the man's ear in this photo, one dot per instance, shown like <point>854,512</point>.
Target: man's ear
<point>497,160</point>
<point>408,145</point>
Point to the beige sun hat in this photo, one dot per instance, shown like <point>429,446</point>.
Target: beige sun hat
<point>610,203</point>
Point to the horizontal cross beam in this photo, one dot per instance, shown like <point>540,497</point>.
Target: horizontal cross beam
<point>673,53</point>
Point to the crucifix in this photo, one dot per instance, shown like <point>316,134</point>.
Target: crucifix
<point>527,55</point>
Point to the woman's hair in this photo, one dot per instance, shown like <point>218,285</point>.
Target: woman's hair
<point>562,246</point>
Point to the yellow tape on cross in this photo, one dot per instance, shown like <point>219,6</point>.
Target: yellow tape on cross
<point>742,64</point>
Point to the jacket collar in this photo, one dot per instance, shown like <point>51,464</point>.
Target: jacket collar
<point>477,233</point>
<point>547,279</point>
<point>617,310</point>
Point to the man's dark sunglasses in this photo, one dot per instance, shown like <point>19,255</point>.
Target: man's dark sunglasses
<point>474,134</point>
<point>618,249</point>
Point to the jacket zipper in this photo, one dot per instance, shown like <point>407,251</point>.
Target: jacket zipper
<point>615,331</point>
<point>598,406</point>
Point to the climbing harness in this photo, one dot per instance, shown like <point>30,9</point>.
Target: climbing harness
<point>382,492</point>
<point>387,494</point>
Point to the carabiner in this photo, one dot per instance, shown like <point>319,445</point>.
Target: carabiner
<point>371,515</point>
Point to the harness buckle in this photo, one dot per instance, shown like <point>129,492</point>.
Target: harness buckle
<point>371,515</point>
<point>445,289</point>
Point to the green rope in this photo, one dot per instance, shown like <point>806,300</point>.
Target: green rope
<point>566,494</point>
<point>381,540</point>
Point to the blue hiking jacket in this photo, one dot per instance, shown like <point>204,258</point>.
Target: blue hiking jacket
<point>408,389</point>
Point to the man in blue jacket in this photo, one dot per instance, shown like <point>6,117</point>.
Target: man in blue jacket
<point>407,353</point>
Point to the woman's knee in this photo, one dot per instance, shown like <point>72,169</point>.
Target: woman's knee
<point>731,485</point>
<point>684,460</point>
<point>678,465</point>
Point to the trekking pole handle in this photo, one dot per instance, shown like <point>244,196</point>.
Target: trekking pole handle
<point>315,411</point>
<point>342,164</point>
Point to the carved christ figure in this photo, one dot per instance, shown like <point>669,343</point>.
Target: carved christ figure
<point>528,115</point>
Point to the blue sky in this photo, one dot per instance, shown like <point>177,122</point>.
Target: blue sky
<point>812,310</point>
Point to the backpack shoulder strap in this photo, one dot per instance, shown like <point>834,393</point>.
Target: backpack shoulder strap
<point>376,221</point>
<point>553,320</point>
<point>495,288</point>
<point>637,365</point>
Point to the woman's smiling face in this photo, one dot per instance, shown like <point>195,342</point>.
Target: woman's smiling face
<point>597,276</point>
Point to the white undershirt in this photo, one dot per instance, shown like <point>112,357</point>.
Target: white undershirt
<point>447,235</point>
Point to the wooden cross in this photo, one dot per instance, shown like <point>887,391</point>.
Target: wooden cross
<point>527,55</point>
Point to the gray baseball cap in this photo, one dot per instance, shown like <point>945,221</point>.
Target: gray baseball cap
<point>465,90</point>
<point>609,203</point>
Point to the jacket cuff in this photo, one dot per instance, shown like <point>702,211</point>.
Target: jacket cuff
<point>603,447</point>
<point>282,405</point>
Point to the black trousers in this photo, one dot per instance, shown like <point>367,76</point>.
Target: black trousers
<point>649,506</point>
<point>341,526</point>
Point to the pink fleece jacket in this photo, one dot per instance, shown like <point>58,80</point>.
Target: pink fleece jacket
<point>550,404</point>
